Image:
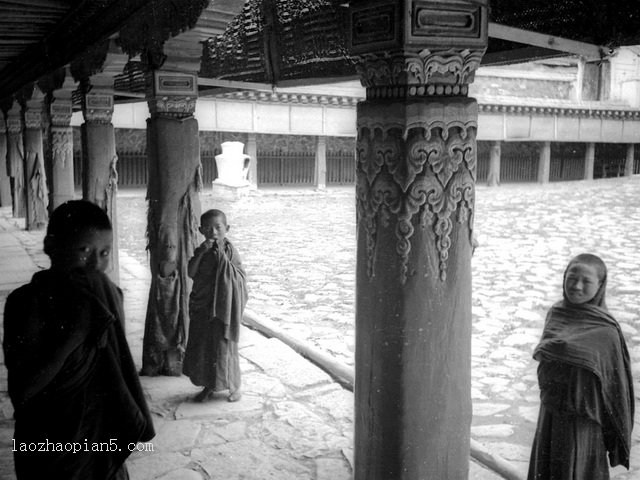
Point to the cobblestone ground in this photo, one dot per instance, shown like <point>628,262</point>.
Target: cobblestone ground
<point>299,250</point>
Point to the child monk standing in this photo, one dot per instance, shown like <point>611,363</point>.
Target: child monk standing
<point>76,395</point>
<point>216,306</point>
<point>586,386</point>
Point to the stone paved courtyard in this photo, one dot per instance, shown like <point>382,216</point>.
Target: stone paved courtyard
<point>299,249</point>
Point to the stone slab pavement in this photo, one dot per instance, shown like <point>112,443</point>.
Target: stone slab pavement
<point>294,421</point>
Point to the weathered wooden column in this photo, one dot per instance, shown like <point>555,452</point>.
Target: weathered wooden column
<point>15,160</point>
<point>35,180</point>
<point>99,158</point>
<point>493,178</point>
<point>5,179</point>
<point>61,148</point>
<point>252,151</point>
<point>173,150</point>
<point>416,171</point>
<point>321,163</point>
<point>544,163</point>
<point>629,160</point>
<point>589,161</point>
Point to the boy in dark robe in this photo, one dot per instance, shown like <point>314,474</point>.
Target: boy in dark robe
<point>586,386</point>
<point>216,306</point>
<point>78,404</point>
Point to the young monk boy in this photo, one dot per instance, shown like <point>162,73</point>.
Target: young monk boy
<point>77,399</point>
<point>216,305</point>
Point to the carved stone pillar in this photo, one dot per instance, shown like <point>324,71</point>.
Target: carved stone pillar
<point>589,161</point>
<point>5,179</point>
<point>37,194</point>
<point>99,161</point>
<point>544,163</point>
<point>15,160</point>
<point>416,171</point>
<point>173,150</point>
<point>252,151</point>
<point>629,160</point>
<point>321,163</point>
<point>61,149</point>
<point>493,179</point>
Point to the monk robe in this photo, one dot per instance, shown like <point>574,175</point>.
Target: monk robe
<point>216,305</point>
<point>587,400</point>
<point>71,377</point>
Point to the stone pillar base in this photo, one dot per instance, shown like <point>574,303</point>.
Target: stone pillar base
<point>228,192</point>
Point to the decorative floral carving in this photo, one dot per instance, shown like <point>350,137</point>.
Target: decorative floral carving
<point>33,118</point>
<point>442,69</point>
<point>174,107</point>
<point>62,145</point>
<point>426,180</point>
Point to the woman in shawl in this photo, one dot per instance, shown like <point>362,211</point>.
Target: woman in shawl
<point>586,387</point>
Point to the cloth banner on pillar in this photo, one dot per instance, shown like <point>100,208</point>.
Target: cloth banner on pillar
<point>173,218</point>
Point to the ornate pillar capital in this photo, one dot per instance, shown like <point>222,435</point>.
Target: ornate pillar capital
<point>33,110</point>
<point>61,110</point>
<point>417,48</point>
<point>172,94</point>
<point>97,107</point>
<point>14,119</point>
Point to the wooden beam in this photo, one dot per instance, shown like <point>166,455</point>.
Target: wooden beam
<point>46,4</point>
<point>588,51</point>
<point>315,81</point>
<point>234,85</point>
<point>519,55</point>
<point>80,28</point>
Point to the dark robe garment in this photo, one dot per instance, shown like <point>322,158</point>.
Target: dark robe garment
<point>216,305</point>
<point>586,393</point>
<point>71,377</point>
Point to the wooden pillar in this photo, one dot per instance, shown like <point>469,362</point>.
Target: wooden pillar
<point>493,179</point>
<point>60,134</point>
<point>321,163</point>
<point>173,150</point>
<point>252,151</point>
<point>544,163</point>
<point>416,169</point>
<point>5,179</point>
<point>35,180</point>
<point>628,163</point>
<point>99,161</point>
<point>15,161</point>
<point>589,161</point>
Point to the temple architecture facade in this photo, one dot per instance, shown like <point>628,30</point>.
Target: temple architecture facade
<point>583,123</point>
<point>419,127</point>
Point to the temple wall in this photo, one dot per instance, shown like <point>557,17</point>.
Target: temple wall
<point>531,121</point>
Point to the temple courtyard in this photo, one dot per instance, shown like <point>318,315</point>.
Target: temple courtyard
<point>298,247</point>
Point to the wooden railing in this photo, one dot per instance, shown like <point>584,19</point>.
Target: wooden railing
<point>341,168</point>
<point>286,168</point>
<point>298,168</point>
<point>518,168</point>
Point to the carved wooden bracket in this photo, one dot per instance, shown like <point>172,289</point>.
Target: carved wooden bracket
<point>160,20</point>
<point>414,48</point>
<point>14,119</point>
<point>172,94</point>
<point>97,107</point>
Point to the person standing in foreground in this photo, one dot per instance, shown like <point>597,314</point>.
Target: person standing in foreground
<point>72,381</point>
<point>216,305</point>
<point>586,386</point>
